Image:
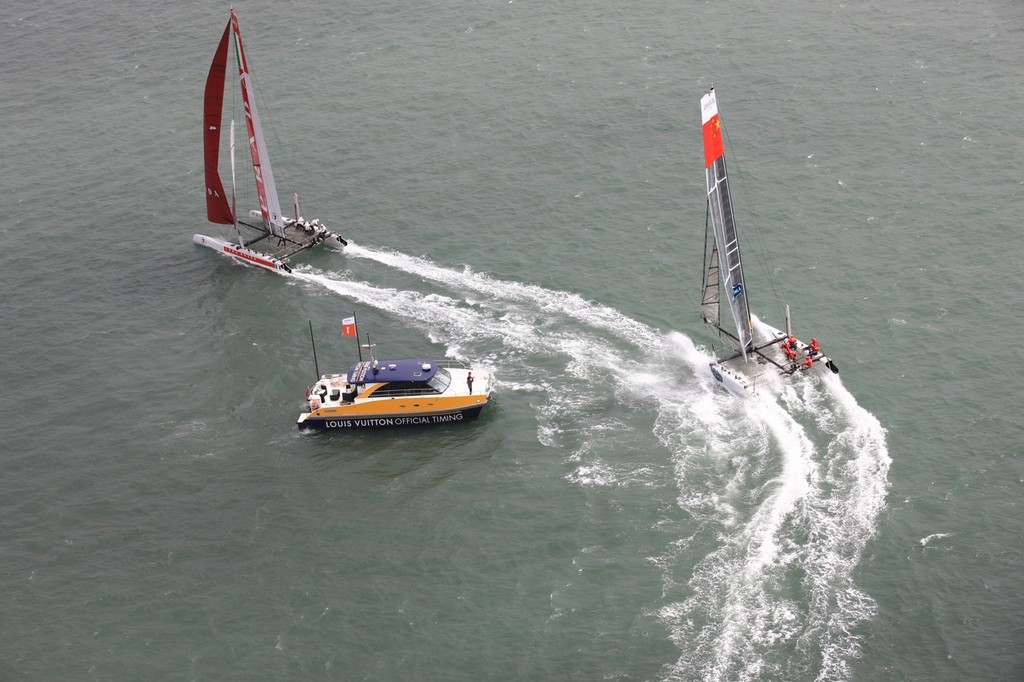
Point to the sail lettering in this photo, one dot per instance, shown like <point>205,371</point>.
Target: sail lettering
<point>249,257</point>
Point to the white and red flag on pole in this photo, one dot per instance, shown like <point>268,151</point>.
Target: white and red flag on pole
<point>348,326</point>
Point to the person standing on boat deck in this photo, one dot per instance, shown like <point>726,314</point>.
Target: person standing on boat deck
<point>469,382</point>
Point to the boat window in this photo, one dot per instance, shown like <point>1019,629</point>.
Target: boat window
<point>403,388</point>
<point>440,381</point>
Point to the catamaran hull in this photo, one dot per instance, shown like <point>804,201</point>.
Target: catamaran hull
<point>733,381</point>
<point>335,241</point>
<point>305,421</point>
<point>240,253</point>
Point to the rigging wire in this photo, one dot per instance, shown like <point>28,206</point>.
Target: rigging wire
<point>704,258</point>
<point>765,261</point>
<point>280,149</point>
<point>243,189</point>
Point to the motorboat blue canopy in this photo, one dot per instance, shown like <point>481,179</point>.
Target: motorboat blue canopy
<point>373,371</point>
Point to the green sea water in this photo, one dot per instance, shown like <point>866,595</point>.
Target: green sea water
<point>523,187</point>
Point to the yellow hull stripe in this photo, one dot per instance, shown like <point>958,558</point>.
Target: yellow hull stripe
<point>405,407</point>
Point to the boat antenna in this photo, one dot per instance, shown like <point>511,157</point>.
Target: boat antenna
<point>355,323</point>
<point>370,346</point>
<point>316,366</point>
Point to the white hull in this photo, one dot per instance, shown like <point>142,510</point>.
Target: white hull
<point>241,253</point>
<point>335,242</point>
<point>735,382</point>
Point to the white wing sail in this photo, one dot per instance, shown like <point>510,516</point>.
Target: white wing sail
<point>730,265</point>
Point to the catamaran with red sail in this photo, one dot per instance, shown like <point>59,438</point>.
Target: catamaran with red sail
<point>760,353</point>
<point>264,237</point>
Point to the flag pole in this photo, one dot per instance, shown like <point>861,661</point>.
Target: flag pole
<point>355,322</point>
<point>315,365</point>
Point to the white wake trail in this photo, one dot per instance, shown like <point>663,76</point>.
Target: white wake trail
<point>443,318</point>
<point>852,496</point>
<point>546,301</point>
<point>515,321</point>
<point>787,489</point>
<point>741,591</point>
<point>515,333</point>
<point>776,598</point>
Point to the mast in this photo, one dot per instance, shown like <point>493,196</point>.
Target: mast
<point>723,222</point>
<point>234,206</point>
<point>265,187</point>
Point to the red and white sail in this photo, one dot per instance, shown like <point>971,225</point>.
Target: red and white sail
<point>730,266</point>
<point>265,187</point>
<point>217,207</point>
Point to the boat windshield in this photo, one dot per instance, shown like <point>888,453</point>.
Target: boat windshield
<point>440,381</point>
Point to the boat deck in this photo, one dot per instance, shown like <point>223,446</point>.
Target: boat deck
<point>296,239</point>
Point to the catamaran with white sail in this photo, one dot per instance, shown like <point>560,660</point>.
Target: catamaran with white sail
<point>265,237</point>
<point>763,353</point>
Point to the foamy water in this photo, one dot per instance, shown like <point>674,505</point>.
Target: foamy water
<point>801,476</point>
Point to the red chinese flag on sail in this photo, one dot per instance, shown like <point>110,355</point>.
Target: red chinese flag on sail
<point>348,326</point>
<point>712,126</point>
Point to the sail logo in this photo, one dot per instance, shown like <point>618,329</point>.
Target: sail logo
<point>737,290</point>
<point>709,108</point>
